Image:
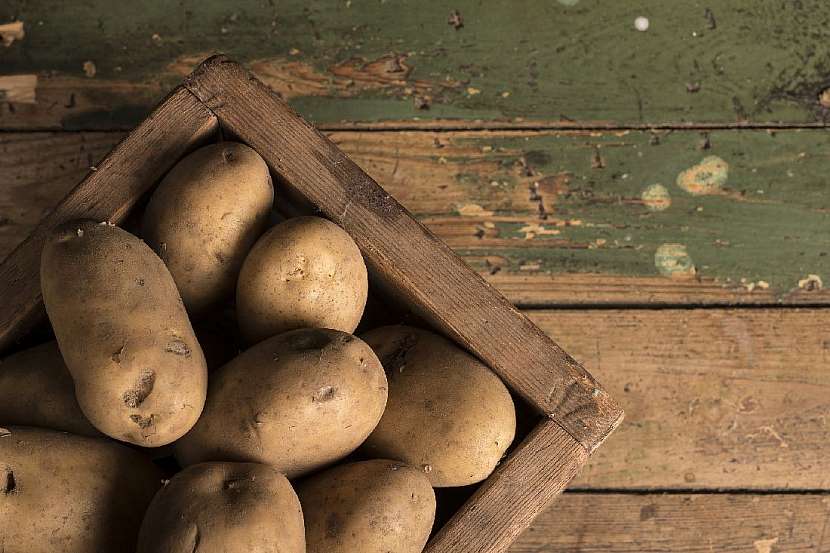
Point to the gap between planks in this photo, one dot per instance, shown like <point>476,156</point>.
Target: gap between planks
<point>448,126</point>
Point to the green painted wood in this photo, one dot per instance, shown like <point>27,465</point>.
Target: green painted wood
<point>563,217</point>
<point>101,64</point>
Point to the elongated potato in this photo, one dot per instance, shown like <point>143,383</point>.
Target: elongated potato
<point>448,413</point>
<point>139,372</point>
<point>36,390</point>
<point>61,493</point>
<point>305,272</point>
<point>204,217</point>
<point>297,401</point>
<point>224,508</point>
<point>373,506</point>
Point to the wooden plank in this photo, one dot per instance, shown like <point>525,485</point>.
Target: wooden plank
<point>396,248</point>
<point>615,523</point>
<point>714,398</point>
<point>789,354</point>
<point>553,63</point>
<point>107,193</point>
<point>511,498</point>
<point>760,234</point>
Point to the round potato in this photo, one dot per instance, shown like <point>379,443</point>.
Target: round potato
<point>36,390</point>
<point>61,493</point>
<point>139,372</point>
<point>297,401</point>
<point>224,507</point>
<point>305,272</point>
<point>372,506</point>
<point>448,413</point>
<point>204,217</point>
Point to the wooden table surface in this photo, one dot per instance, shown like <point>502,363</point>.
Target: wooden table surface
<point>658,201</point>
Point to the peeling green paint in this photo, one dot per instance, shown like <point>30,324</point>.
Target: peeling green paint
<point>768,228</point>
<point>550,61</point>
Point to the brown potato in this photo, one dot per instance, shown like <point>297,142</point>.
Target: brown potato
<point>204,217</point>
<point>448,413</point>
<point>305,272</point>
<point>61,493</point>
<point>139,372</point>
<point>222,508</point>
<point>373,506</point>
<point>36,390</point>
<point>298,401</point>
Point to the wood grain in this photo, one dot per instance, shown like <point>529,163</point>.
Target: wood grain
<point>107,193</point>
<point>756,241</point>
<point>396,247</point>
<point>714,398</point>
<point>555,63</point>
<point>509,500</point>
<point>748,523</point>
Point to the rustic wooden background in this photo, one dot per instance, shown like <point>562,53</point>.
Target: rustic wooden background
<point>657,200</point>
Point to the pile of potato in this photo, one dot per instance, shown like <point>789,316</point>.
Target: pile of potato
<point>309,439</point>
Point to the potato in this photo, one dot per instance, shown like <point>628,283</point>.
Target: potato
<point>224,508</point>
<point>61,493</point>
<point>36,390</point>
<point>448,413</point>
<point>305,272</point>
<point>204,217</point>
<point>298,401</point>
<point>373,506</point>
<point>139,373</point>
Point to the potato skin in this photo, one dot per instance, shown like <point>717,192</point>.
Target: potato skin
<point>139,372</point>
<point>224,507</point>
<point>305,272</point>
<point>372,506</point>
<point>61,493</point>
<point>36,389</point>
<point>297,401</point>
<point>448,413</point>
<point>205,215</point>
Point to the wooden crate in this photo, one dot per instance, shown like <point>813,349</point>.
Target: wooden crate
<point>404,259</point>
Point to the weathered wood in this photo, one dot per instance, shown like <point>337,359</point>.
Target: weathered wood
<point>511,498</point>
<point>760,234</point>
<point>603,523</point>
<point>108,193</point>
<point>725,62</point>
<point>397,248</point>
<point>714,398</point>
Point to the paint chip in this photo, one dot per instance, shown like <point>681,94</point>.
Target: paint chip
<point>656,197</point>
<point>641,23</point>
<point>532,230</point>
<point>473,210</point>
<point>9,32</point>
<point>455,20</point>
<point>89,68</point>
<point>18,89</point>
<point>707,177</point>
<point>672,260</point>
<point>811,283</point>
<point>764,546</point>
